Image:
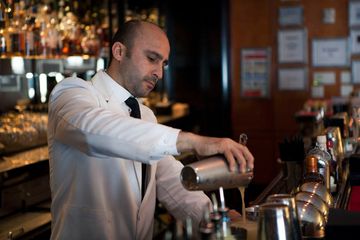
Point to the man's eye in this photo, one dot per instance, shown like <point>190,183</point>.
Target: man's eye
<point>152,59</point>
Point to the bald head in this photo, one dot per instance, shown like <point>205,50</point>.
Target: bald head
<point>130,30</point>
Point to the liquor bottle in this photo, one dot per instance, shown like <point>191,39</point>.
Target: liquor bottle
<point>90,43</point>
<point>43,19</point>
<point>323,159</point>
<point>29,37</point>
<point>207,226</point>
<point>311,173</point>
<point>3,32</point>
<point>215,217</point>
<point>8,16</point>
<point>53,38</point>
<point>16,32</point>
<point>336,156</point>
<point>178,230</point>
<point>43,50</point>
<point>75,39</point>
<point>32,30</point>
<point>2,39</point>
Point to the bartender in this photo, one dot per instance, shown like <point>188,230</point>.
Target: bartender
<point>104,152</point>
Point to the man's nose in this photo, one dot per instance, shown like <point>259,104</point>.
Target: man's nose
<point>159,72</point>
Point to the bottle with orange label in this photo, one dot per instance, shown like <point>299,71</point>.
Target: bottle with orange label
<point>311,173</point>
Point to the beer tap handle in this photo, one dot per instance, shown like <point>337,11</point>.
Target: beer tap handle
<point>222,198</point>
<point>243,138</point>
<point>215,203</point>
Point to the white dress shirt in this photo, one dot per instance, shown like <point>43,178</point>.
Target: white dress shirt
<point>96,150</point>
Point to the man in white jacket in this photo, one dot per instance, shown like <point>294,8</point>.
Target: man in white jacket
<point>96,148</point>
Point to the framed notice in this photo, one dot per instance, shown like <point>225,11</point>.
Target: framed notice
<point>332,52</point>
<point>255,72</point>
<point>291,16</point>
<point>317,91</point>
<point>292,46</point>
<point>355,41</point>
<point>292,79</point>
<point>346,90</point>
<point>329,15</point>
<point>324,78</point>
<point>345,77</point>
<point>355,72</point>
<point>354,13</point>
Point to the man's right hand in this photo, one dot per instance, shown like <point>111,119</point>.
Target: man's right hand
<point>234,152</point>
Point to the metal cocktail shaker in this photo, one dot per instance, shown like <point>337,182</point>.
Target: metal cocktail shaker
<point>211,173</point>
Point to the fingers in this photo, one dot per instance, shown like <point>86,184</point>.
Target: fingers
<point>231,161</point>
<point>249,158</point>
<point>240,158</point>
<point>239,155</point>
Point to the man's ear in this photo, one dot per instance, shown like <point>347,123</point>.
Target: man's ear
<point>118,51</point>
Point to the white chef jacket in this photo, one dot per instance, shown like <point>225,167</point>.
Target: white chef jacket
<point>96,151</point>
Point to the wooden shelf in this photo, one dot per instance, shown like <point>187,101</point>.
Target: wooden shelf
<point>23,158</point>
<point>20,224</point>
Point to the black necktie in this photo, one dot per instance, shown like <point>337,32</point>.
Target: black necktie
<point>135,112</point>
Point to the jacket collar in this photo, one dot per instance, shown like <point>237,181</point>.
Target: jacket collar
<point>109,88</point>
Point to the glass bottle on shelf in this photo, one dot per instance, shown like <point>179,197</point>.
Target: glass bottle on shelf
<point>43,48</point>
<point>90,43</point>
<point>8,15</point>
<point>48,28</point>
<point>32,33</point>
<point>53,38</point>
<point>29,37</point>
<point>16,32</point>
<point>69,33</point>
<point>3,48</point>
<point>335,169</point>
<point>3,32</point>
<point>43,19</point>
<point>324,159</point>
<point>311,173</point>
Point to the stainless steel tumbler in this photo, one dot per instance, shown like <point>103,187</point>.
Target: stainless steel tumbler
<point>274,222</point>
<point>289,200</point>
<point>211,173</point>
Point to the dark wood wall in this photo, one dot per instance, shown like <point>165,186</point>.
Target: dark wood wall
<point>269,121</point>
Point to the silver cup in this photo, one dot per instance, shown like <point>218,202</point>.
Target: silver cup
<point>252,213</point>
<point>312,222</point>
<point>289,200</point>
<point>314,200</point>
<point>320,190</point>
<point>274,222</point>
<point>211,174</point>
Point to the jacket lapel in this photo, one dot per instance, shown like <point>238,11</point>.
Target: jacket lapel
<point>137,169</point>
<point>110,102</point>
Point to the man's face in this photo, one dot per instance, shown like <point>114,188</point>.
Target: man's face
<point>143,66</point>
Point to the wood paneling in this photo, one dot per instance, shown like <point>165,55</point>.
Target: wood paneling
<point>268,121</point>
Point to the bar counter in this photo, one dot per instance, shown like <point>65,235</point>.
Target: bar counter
<point>25,191</point>
<point>25,207</point>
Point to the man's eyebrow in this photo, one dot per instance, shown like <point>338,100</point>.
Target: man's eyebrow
<point>158,56</point>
